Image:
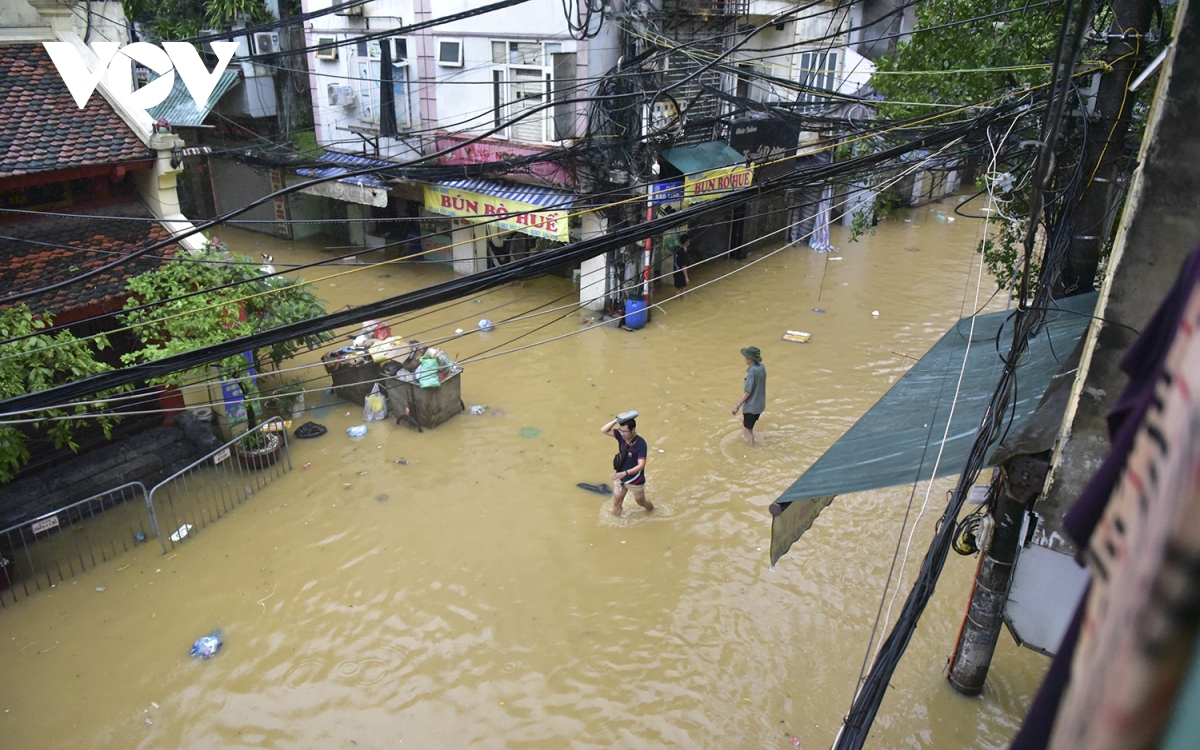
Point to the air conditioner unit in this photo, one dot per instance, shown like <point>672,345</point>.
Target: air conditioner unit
<point>266,43</point>
<point>340,96</point>
<point>327,48</point>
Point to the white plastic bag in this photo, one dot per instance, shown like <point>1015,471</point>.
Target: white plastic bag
<point>375,406</point>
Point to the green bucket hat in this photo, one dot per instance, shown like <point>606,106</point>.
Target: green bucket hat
<point>752,352</point>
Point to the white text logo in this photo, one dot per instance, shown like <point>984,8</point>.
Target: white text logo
<point>179,57</point>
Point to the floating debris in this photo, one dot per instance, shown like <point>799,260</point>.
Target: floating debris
<point>530,432</point>
<point>181,533</point>
<point>599,489</point>
<point>799,337</point>
<point>207,646</point>
<point>381,498</point>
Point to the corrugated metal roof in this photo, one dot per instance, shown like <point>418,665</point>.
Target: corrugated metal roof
<point>528,194</point>
<point>180,109</point>
<point>352,161</point>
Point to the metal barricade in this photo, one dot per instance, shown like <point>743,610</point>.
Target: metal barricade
<point>194,497</point>
<point>47,550</point>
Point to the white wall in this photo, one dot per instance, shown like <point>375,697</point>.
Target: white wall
<point>463,95</point>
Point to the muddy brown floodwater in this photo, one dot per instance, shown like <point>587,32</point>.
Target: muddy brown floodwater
<point>475,597</point>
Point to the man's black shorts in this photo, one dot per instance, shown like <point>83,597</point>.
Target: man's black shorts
<point>749,419</point>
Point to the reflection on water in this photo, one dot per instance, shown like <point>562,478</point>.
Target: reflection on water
<point>475,596</point>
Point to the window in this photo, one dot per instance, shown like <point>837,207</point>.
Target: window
<point>370,76</point>
<point>450,53</point>
<point>327,48</point>
<point>527,77</point>
<point>818,70</point>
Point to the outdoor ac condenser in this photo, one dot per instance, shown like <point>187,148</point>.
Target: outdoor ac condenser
<point>340,96</point>
<point>266,43</point>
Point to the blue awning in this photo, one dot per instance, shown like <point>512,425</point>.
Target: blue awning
<point>512,191</point>
<point>898,438</point>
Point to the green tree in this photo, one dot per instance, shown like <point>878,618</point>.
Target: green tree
<point>36,363</point>
<point>180,19</point>
<point>222,313</point>
<point>953,60</point>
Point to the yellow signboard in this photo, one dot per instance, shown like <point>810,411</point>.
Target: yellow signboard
<point>507,214</point>
<point>716,182</point>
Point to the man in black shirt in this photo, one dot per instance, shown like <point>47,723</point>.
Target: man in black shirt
<point>631,475</point>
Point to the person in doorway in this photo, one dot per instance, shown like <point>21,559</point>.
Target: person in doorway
<point>630,473</point>
<point>754,392</point>
<point>682,260</point>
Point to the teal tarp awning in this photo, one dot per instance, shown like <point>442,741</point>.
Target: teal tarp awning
<point>898,439</point>
<point>703,157</point>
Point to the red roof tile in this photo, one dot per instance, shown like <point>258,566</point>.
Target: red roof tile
<point>42,129</point>
<point>50,249</point>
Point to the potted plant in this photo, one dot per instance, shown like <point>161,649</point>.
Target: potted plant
<point>257,449</point>
<point>289,399</point>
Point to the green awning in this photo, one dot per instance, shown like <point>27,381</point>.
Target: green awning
<point>898,439</point>
<point>703,157</point>
<point>180,109</point>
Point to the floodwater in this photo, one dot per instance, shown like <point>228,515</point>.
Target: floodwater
<point>475,597</point>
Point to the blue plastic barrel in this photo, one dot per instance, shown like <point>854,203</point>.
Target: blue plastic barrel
<point>635,313</point>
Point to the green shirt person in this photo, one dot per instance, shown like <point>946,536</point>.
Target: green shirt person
<point>754,392</point>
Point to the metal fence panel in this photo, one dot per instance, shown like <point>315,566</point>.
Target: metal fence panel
<point>47,550</point>
<point>195,496</point>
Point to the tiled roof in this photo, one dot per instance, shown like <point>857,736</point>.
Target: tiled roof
<point>41,127</point>
<point>69,246</point>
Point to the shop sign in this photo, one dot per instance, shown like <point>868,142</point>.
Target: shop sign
<point>666,193</point>
<point>716,183</point>
<point>514,215</point>
<point>760,140</point>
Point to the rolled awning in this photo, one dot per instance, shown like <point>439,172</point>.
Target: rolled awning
<point>537,211</point>
<point>898,439</point>
<point>710,170</point>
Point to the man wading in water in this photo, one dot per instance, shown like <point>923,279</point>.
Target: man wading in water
<point>630,462</point>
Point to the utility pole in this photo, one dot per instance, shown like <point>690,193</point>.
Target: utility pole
<point>1104,149</point>
<point>1020,481</point>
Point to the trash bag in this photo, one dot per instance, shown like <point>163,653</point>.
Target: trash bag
<point>375,406</point>
<point>427,373</point>
<point>310,430</point>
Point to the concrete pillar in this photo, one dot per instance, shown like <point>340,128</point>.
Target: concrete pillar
<point>593,271</point>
